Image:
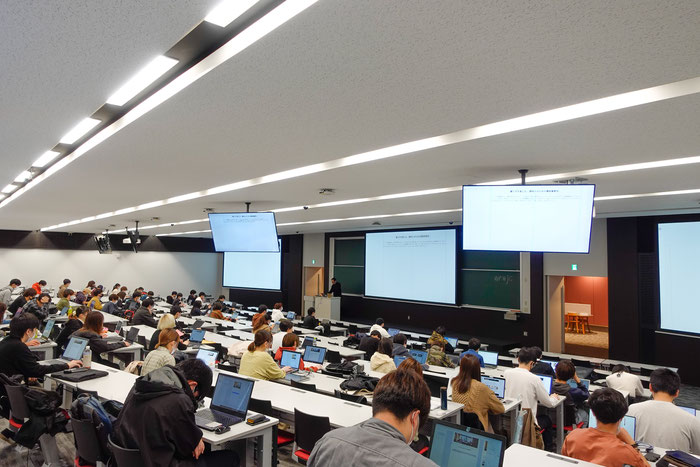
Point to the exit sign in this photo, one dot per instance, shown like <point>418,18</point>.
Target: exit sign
<point>574,267</point>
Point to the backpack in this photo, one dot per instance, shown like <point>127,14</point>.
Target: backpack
<point>89,408</point>
<point>359,383</point>
<point>341,369</point>
<point>45,416</point>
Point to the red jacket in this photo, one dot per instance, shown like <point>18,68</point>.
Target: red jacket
<point>278,356</point>
<point>36,286</point>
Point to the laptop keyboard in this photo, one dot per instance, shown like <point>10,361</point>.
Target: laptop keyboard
<point>207,416</point>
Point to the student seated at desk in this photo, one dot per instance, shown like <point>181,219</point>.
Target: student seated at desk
<point>121,299</point>
<point>526,386</point>
<point>379,326</point>
<point>437,356</point>
<point>192,297</point>
<point>399,348</point>
<point>20,301</point>
<point>15,356</point>
<point>74,323</point>
<point>158,418</point>
<point>170,299</point>
<point>622,380</point>
<point>62,288</point>
<point>382,360</point>
<point>540,367</point>
<point>369,344</point>
<point>256,362</point>
<point>400,406</point>
<point>291,342</point>
<point>438,336</point>
<point>116,289</point>
<point>38,306</point>
<point>660,422</point>
<point>310,320</point>
<point>168,340</point>
<point>261,322</point>
<point>64,301</point>
<point>167,321</point>
<point>135,302</point>
<point>196,308</point>
<point>607,444</point>
<point>575,398</point>
<point>38,286</point>
<point>6,292</point>
<point>92,330</point>
<point>277,314</point>
<point>95,302</point>
<point>144,315</point>
<point>216,311</point>
<point>111,306</point>
<point>474,345</point>
<point>286,327</point>
<point>468,389</point>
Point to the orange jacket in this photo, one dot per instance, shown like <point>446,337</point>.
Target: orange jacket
<point>36,286</point>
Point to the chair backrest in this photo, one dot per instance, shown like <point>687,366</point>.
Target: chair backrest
<point>309,429</point>
<point>260,406</point>
<point>304,386</point>
<point>18,404</point>
<point>86,442</point>
<point>333,356</point>
<point>350,397</point>
<point>471,420</point>
<point>142,340</point>
<point>126,457</point>
<point>352,329</point>
<point>584,363</point>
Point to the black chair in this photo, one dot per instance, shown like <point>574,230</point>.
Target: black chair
<point>142,340</point>
<point>309,429</point>
<point>581,363</point>
<point>19,412</point>
<point>350,397</point>
<point>333,356</point>
<point>125,457</point>
<point>471,420</point>
<point>87,445</point>
<point>305,386</point>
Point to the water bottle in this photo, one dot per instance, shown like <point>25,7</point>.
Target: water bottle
<point>87,357</point>
<point>443,398</point>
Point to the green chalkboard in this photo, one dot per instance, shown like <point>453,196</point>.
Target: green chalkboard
<point>497,289</point>
<point>491,260</point>
<point>352,279</point>
<point>350,252</point>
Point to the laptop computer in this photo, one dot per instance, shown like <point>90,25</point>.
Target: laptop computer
<point>275,328</point>
<point>586,382</point>
<point>629,423</point>
<point>74,351</point>
<point>546,382</point>
<point>291,315</point>
<point>393,331</point>
<point>690,410</point>
<point>452,444</point>
<point>497,385</point>
<point>313,354</point>
<point>44,337</point>
<point>292,360</point>
<point>208,357</point>
<point>453,341</point>
<point>196,337</point>
<point>421,356</point>
<point>398,359</point>
<point>490,358</point>
<point>551,363</point>
<point>118,327</point>
<point>132,334</point>
<point>229,404</point>
<point>197,324</point>
<point>307,341</point>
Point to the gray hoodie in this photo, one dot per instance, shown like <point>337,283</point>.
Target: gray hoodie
<point>6,295</point>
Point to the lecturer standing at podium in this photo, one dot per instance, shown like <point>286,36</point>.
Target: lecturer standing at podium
<point>335,290</point>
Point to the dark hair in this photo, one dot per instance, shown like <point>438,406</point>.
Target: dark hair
<point>116,285</point>
<point>151,293</point>
<point>412,364</point>
<point>94,322</point>
<point>469,369</point>
<point>29,293</point>
<point>179,294</point>
<point>20,324</point>
<point>619,368</point>
<point>262,308</point>
<point>608,405</point>
<point>136,294</point>
<point>290,339</point>
<point>286,325</point>
<point>333,278</point>
<point>527,355</point>
<point>665,380</point>
<point>261,337</point>
<point>43,295</point>
<point>91,284</point>
<point>42,282</point>
<point>66,281</point>
<point>400,339</point>
<point>167,336</point>
<point>197,304</point>
<point>121,295</point>
<point>68,292</point>
<point>538,352</point>
<point>376,333</point>
<point>565,370</point>
<point>97,292</point>
<point>192,292</point>
<point>222,297</point>
<point>440,330</point>
<point>16,282</point>
<point>311,311</point>
<point>79,311</point>
<point>202,294</point>
<point>174,292</point>
<point>199,372</point>
<point>3,307</point>
<point>474,343</point>
<point>113,297</point>
<point>385,346</point>
<point>401,392</point>
<point>148,302</point>
<point>277,306</point>
<point>217,306</point>
<point>379,321</point>
<point>175,309</point>
<point>259,320</point>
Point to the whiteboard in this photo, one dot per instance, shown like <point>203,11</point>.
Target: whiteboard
<point>578,308</point>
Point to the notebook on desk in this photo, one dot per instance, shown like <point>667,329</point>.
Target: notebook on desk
<point>74,351</point>
<point>456,445</point>
<point>229,404</point>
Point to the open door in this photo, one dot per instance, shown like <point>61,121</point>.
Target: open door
<point>554,324</point>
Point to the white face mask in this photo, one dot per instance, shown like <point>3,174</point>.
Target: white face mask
<point>414,429</point>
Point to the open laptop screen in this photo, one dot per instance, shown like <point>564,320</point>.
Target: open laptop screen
<point>490,358</point>
<point>546,382</point>
<point>74,349</point>
<point>398,359</point>
<point>497,385</point>
<point>551,363</point>
<point>307,341</point>
<point>313,354</point>
<point>232,394</point>
<point>455,445</point>
<point>48,328</point>
<point>629,423</point>
<point>291,315</point>
<point>421,356</point>
<point>690,410</point>
<point>585,382</point>
<point>453,341</point>
<point>393,331</point>
<point>208,357</point>
<point>290,359</point>
<point>197,335</point>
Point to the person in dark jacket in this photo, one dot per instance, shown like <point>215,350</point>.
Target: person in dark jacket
<point>20,301</point>
<point>111,306</point>
<point>158,418</point>
<point>310,320</point>
<point>135,302</point>
<point>192,297</point>
<point>39,306</point>
<point>73,324</point>
<point>170,299</point>
<point>575,397</point>
<point>370,344</point>
<point>15,356</point>
<point>144,315</point>
<point>542,368</point>
<point>400,349</point>
<point>92,331</point>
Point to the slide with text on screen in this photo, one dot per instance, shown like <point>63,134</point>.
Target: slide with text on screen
<point>548,218</point>
<point>249,270</point>
<point>414,265</point>
<point>679,276</point>
<point>244,231</point>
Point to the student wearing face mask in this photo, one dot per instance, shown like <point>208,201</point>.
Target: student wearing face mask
<point>400,406</point>
<point>168,340</point>
<point>258,363</point>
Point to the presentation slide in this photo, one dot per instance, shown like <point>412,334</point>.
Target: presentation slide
<point>244,231</point>
<point>248,270</point>
<point>679,276</point>
<point>415,265</point>
<point>548,218</point>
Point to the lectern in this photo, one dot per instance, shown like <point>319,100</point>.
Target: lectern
<point>327,307</point>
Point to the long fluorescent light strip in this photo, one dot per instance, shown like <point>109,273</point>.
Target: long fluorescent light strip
<point>79,130</point>
<point>265,25</point>
<point>22,177</point>
<point>144,77</point>
<point>594,107</point>
<point>9,188</point>
<point>228,10</point>
<point>45,158</point>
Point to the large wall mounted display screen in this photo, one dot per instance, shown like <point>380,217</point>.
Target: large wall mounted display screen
<point>679,276</point>
<point>414,265</point>
<point>244,231</point>
<point>547,218</point>
<point>252,270</point>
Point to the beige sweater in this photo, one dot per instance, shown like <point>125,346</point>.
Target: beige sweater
<point>260,365</point>
<point>480,400</point>
<point>382,363</point>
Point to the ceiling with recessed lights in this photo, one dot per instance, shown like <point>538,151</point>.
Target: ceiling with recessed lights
<point>343,78</point>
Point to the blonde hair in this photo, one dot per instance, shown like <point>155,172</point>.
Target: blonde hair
<point>167,321</point>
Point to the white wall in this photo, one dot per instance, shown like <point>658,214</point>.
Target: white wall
<point>595,263</point>
<point>314,247</point>
<point>161,272</point>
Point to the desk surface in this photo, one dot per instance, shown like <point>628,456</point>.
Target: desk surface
<point>518,455</point>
